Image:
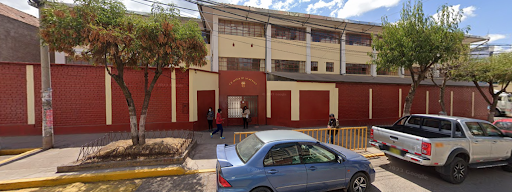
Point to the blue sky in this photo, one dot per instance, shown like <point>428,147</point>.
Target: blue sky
<point>486,18</point>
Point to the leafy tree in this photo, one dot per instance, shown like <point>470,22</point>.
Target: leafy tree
<point>444,70</point>
<point>495,69</point>
<point>418,41</point>
<point>113,36</point>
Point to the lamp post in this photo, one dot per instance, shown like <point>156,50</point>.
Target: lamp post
<point>46,86</point>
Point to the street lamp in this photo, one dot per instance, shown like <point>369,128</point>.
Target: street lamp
<point>46,86</point>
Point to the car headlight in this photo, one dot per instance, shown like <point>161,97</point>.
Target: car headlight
<point>371,166</point>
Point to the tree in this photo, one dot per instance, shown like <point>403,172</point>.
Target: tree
<point>113,36</point>
<point>495,69</point>
<point>418,41</point>
<point>444,70</point>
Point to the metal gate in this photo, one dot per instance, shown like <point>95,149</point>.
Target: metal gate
<point>235,104</point>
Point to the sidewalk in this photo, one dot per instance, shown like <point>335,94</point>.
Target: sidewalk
<point>44,164</point>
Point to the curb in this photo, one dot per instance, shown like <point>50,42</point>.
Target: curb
<point>15,151</point>
<point>96,177</point>
<point>373,155</point>
<point>20,156</point>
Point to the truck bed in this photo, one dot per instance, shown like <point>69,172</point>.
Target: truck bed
<point>427,133</point>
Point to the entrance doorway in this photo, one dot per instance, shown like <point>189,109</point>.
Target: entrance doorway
<point>235,104</point>
<point>205,100</point>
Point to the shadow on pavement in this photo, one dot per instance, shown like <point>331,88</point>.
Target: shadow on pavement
<point>488,179</point>
<point>194,182</point>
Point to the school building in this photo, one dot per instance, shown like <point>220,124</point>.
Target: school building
<point>290,69</point>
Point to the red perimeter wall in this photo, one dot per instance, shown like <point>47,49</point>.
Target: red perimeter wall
<point>79,100</point>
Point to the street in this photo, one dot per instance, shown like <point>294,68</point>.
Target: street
<point>391,176</point>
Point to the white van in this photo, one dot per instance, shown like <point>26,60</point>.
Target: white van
<point>504,105</point>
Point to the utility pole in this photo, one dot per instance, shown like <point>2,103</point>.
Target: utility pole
<point>46,86</point>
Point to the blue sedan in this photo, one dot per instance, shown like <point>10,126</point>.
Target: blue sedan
<point>284,160</point>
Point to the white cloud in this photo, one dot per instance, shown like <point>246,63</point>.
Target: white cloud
<point>502,49</point>
<point>312,8</point>
<point>495,37</point>
<point>259,3</point>
<point>358,7</point>
<point>285,5</point>
<point>466,12</point>
<point>305,1</point>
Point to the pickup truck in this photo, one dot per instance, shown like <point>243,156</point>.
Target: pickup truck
<point>450,144</point>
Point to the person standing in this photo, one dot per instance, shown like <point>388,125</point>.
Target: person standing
<point>333,123</point>
<point>219,121</point>
<point>245,116</point>
<point>210,116</point>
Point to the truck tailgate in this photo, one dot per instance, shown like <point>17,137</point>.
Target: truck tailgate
<point>399,140</point>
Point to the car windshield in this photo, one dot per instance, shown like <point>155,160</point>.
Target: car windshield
<point>504,125</point>
<point>248,147</point>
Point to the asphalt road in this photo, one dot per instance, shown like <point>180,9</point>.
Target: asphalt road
<point>392,176</point>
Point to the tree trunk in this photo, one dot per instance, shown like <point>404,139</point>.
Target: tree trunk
<point>131,107</point>
<point>409,99</point>
<point>441,96</point>
<point>145,104</point>
<point>492,109</point>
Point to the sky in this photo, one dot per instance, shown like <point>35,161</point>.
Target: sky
<point>485,18</point>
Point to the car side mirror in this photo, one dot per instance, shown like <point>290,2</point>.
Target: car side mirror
<point>340,159</point>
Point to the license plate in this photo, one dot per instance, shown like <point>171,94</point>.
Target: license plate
<point>394,150</point>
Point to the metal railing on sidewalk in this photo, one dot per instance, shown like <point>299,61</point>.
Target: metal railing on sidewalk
<point>353,138</point>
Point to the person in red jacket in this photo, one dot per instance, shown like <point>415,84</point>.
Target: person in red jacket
<point>218,120</point>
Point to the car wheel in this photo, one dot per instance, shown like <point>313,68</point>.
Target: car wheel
<point>261,189</point>
<point>359,183</point>
<point>458,171</point>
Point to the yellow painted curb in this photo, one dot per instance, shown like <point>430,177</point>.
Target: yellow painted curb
<point>15,151</point>
<point>87,178</point>
<point>200,171</point>
<point>27,153</point>
<point>373,155</point>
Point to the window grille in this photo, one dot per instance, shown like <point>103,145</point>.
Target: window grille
<point>358,40</point>
<point>329,66</point>
<point>241,28</point>
<point>363,69</point>
<point>288,66</point>
<point>325,36</point>
<point>241,64</point>
<point>314,65</point>
<point>288,33</point>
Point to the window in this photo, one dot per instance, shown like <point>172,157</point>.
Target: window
<point>414,121</point>
<point>316,154</point>
<point>314,65</point>
<point>282,154</point>
<point>288,66</point>
<point>401,121</point>
<point>288,33</point>
<point>325,36</point>
<point>458,132</point>
<point>387,72</point>
<point>241,64</point>
<point>358,40</point>
<point>235,105</point>
<point>504,125</point>
<point>491,130</point>
<point>358,69</point>
<point>248,147</point>
<point>446,125</point>
<point>241,28</point>
<point>429,122</point>
<point>206,36</point>
<point>475,129</point>
<point>329,67</point>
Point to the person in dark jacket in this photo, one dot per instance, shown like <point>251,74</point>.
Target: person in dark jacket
<point>333,123</point>
<point>245,116</point>
<point>210,116</point>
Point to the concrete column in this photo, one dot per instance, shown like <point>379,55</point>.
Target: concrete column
<point>308,50</point>
<point>401,72</point>
<point>370,105</point>
<point>373,71</point>
<point>60,58</point>
<point>31,109</point>
<point>108,98</point>
<point>173,95</point>
<point>268,50</point>
<point>343,59</point>
<point>399,102</point>
<point>214,46</point>
<point>426,107</point>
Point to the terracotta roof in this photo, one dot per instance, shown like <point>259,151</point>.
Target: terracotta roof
<point>18,15</point>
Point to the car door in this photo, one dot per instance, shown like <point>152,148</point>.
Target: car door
<point>284,168</point>
<point>481,145</point>
<point>324,171</point>
<point>501,146</point>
